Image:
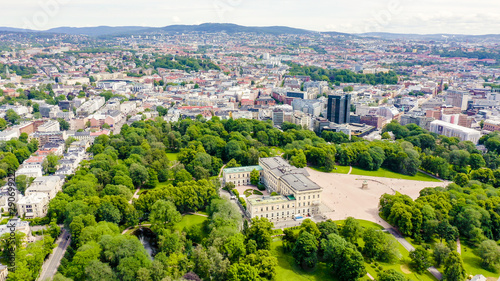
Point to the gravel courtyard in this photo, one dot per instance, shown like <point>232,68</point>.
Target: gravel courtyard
<point>343,196</point>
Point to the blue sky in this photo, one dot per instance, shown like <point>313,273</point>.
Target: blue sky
<point>353,16</point>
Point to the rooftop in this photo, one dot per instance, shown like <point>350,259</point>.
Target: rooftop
<point>264,200</point>
<point>242,169</point>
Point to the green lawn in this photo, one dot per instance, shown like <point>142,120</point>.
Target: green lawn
<point>385,173</point>
<point>172,156</point>
<point>189,220</point>
<point>276,151</point>
<point>339,169</point>
<point>472,263</point>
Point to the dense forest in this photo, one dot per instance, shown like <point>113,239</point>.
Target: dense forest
<point>342,75</point>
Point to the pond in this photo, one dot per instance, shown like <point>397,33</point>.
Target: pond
<point>148,240</point>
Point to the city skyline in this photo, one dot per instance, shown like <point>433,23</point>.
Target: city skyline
<point>358,16</point>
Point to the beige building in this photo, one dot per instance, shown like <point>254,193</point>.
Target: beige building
<point>3,272</point>
<point>34,205</point>
<point>49,185</point>
<point>299,196</point>
<point>238,175</point>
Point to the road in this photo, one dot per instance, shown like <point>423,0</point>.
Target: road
<point>50,266</point>
<point>410,248</point>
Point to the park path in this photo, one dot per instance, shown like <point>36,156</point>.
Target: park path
<point>370,276</point>
<point>135,195</point>
<point>220,173</point>
<point>198,214</point>
<point>350,170</point>
<point>410,248</point>
<point>459,247</point>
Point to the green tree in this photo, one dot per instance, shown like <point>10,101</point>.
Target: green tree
<point>391,275</point>
<point>12,116</point>
<point>108,212</point>
<point>260,232</point>
<point>182,176</point>
<point>441,253</point>
<point>50,163</point>
<point>454,268</point>
<point>305,250</point>
<point>299,159</point>
<point>163,212</point>
<point>380,247</point>
<point>461,179</point>
<point>489,252</point>
<point>22,182</point>
<point>242,272</point>
<point>345,261</point>
<point>63,124</point>
<point>139,174</point>
<point>420,260</point>
<point>254,177</point>
<point>351,230</point>
<point>309,226</point>
<point>476,161</point>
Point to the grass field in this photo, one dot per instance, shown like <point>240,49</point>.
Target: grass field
<point>189,220</point>
<point>385,173</point>
<point>339,170</point>
<point>382,173</point>
<point>276,151</point>
<point>172,156</point>
<point>472,263</point>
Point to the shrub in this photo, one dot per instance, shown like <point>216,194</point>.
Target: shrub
<point>256,192</point>
<point>236,193</point>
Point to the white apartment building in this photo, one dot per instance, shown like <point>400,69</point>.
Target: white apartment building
<point>49,126</point>
<point>451,130</point>
<point>49,185</point>
<point>34,205</point>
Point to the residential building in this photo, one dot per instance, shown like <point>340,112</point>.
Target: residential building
<point>49,185</point>
<point>34,205</point>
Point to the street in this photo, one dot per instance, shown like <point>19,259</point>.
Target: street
<point>50,266</point>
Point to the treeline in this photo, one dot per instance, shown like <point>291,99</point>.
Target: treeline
<point>24,71</point>
<point>184,63</point>
<point>12,154</point>
<point>450,158</point>
<point>470,211</point>
<point>471,55</point>
<point>342,75</point>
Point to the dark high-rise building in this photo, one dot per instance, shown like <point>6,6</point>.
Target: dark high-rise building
<point>339,108</point>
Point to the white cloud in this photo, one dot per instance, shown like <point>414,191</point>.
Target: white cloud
<point>424,16</point>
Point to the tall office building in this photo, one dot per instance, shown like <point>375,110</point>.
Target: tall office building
<point>339,108</point>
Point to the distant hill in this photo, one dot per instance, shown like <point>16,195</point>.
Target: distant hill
<point>235,28</point>
<point>439,36</point>
<point>13,29</point>
<point>98,30</point>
